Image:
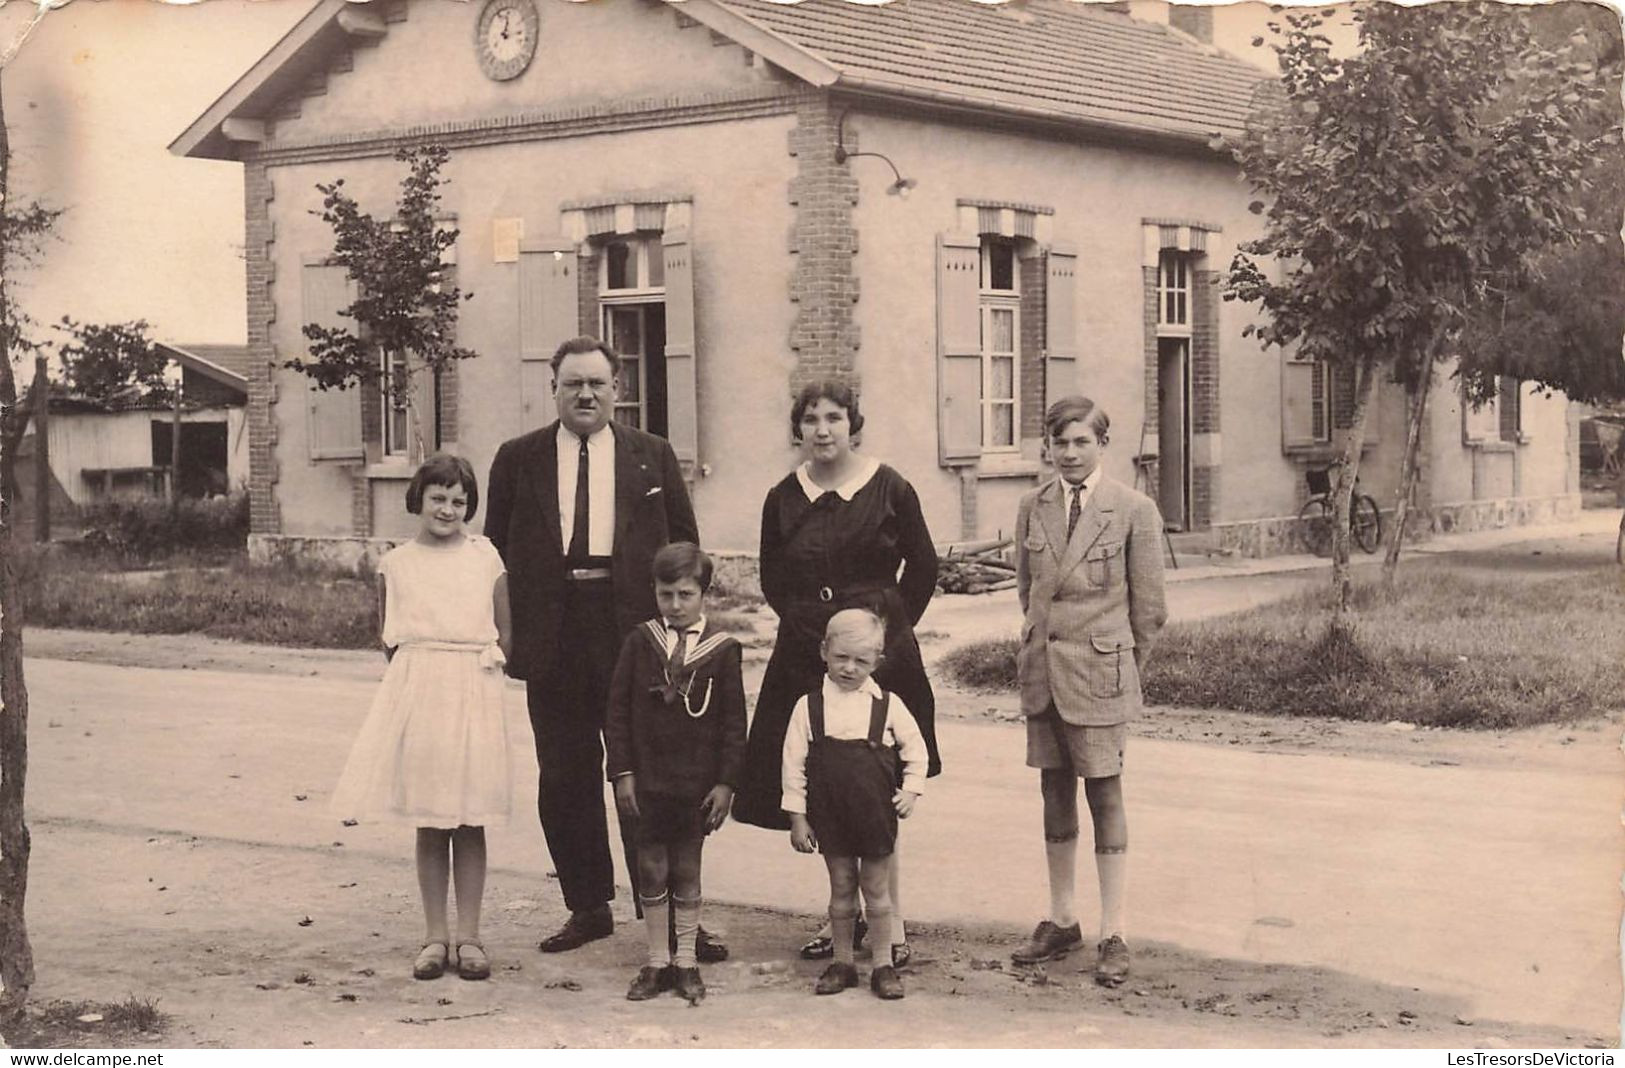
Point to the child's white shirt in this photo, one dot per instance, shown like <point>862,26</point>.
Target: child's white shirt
<point>846,715</point>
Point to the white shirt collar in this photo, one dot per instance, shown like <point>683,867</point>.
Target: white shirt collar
<point>833,691</point>
<point>846,490</point>
<point>594,440</point>
<point>1084,488</point>
<point>696,630</point>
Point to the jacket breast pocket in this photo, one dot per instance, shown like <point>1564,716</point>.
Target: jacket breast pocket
<point>1103,565</point>
<point>1110,660</point>
<point>1035,541</point>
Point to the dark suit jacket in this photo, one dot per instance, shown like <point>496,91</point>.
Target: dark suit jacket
<point>522,519</point>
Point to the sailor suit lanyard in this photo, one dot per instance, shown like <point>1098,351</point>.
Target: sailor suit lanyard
<point>674,685</point>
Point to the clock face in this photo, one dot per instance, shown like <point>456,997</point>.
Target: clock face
<point>505,37</point>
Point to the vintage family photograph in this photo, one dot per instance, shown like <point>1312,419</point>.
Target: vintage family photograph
<point>811,524</point>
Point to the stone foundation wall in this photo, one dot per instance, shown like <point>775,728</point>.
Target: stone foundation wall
<point>1279,535</point>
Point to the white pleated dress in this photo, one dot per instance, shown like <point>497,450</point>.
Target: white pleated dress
<point>433,751</point>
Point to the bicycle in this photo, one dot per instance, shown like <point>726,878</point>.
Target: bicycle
<point>1315,517</point>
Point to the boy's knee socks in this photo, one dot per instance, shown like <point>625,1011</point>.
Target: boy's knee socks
<point>656,918</point>
<point>686,924</point>
<point>842,925</point>
<point>1111,863</point>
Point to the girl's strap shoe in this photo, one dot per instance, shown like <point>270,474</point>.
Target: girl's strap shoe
<point>472,963</point>
<point>430,962</point>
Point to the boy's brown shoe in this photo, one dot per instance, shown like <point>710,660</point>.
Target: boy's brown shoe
<point>1111,964</point>
<point>836,978</point>
<point>708,948</point>
<point>690,987</point>
<point>1049,942</point>
<point>885,983</point>
<point>648,984</point>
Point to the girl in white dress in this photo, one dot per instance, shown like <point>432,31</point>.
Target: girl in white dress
<point>433,751</point>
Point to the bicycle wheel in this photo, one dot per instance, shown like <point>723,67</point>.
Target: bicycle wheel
<point>1315,526</point>
<point>1365,523</point>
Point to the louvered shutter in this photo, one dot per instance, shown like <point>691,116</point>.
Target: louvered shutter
<point>547,318</point>
<point>1060,324</point>
<point>1298,401</point>
<point>682,395</point>
<point>959,349</point>
<point>333,426</point>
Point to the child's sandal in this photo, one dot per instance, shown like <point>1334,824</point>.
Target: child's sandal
<point>472,963</point>
<point>430,962</point>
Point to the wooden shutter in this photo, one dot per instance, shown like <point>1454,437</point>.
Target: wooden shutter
<point>1060,323</point>
<point>1298,403</point>
<point>682,395</point>
<point>959,349</point>
<point>1509,398</point>
<point>548,299</point>
<point>333,426</point>
<point>1481,424</point>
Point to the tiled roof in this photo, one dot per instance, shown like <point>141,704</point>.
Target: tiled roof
<point>1066,58</point>
<point>233,358</point>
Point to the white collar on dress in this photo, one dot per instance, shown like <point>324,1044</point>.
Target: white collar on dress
<point>846,490</point>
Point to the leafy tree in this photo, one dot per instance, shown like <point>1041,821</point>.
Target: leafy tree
<point>105,362</point>
<point>407,303</point>
<point>1398,186</point>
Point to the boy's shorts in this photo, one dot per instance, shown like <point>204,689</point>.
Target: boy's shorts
<point>1091,752</point>
<point>665,819</point>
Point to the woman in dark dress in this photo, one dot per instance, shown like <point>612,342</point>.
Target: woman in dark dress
<point>834,533</point>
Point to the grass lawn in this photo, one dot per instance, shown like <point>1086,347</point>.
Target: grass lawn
<point>1443,649</point>
<point>227,597</point>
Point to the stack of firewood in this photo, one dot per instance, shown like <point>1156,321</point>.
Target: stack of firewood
<point>976,567</point>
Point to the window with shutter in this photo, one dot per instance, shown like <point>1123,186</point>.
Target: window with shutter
<point>333,427</point>
<point>547,318</point>
<point>959,348</point>
<point>1509,402</point>
<point>1060,324</point>
<point>682,391</point>
<point>1480,425</point>
<point>1306,403</point>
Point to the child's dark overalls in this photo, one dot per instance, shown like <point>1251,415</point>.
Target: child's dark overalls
<point>850,783</point>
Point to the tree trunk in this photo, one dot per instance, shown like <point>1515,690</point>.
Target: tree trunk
<point>16,955</point>
<point>1415,417</point>
<point>1348,469</point>
<point>41,399</point>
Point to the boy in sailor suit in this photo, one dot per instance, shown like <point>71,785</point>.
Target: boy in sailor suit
<point>675,734</point>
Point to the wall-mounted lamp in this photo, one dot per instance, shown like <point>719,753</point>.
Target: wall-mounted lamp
<point>899,188</point>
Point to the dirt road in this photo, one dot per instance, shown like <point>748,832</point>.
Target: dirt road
<point>1278,899</point>
<point>1293,883</point>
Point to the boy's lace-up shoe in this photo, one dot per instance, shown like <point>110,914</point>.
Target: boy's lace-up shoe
<point>690,987</point>
<point>650,981</point>
<point>836,978</point>
<point>1049,942</point>
<point>885,983</point>
<point>1111,964</point>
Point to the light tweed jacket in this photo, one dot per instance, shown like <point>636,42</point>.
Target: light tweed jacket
<point>1093,605</point>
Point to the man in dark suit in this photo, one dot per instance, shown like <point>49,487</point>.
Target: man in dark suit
<point>578,509</point>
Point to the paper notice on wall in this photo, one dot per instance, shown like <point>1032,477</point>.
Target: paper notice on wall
<point>505,237</point>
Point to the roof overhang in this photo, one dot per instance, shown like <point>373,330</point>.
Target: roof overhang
<point>303,51</point>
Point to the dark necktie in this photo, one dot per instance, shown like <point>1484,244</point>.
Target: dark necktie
<point>1073,512</point>
<point>578,533</point>
<point>674,665</point>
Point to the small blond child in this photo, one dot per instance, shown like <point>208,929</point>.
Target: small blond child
<point>843,791</point>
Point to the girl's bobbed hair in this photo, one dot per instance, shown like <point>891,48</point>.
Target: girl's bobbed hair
<point>839,393</point>
<point>444,469</point>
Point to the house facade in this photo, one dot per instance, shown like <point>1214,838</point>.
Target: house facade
<point>969,209</point>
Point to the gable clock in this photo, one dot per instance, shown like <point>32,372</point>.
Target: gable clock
<point>505,37</point>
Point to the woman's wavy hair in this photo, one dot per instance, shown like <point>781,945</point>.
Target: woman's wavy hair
<point>837,392</point>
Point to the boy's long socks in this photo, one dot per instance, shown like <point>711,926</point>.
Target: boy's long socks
<point>656,919</point>
<point>686,917</point>
<point>841,928</point>
<point>1112,865</point>
<point>1062,858</point>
